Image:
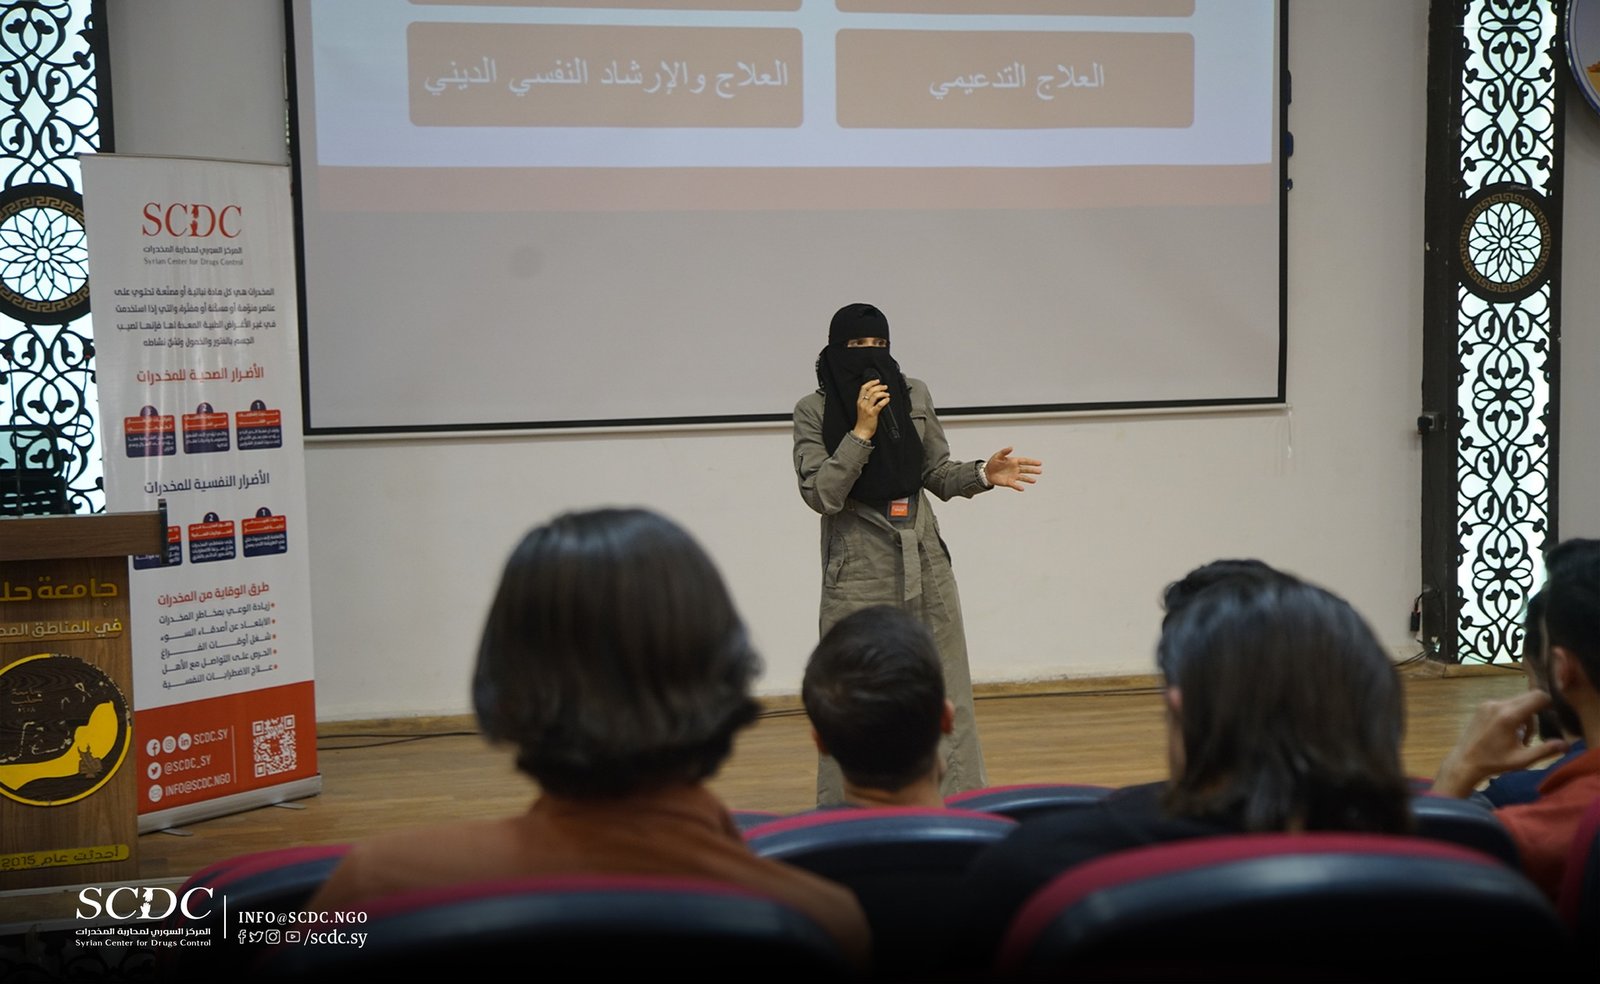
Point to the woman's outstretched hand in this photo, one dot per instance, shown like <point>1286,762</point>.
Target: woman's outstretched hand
<point>1013,473</point>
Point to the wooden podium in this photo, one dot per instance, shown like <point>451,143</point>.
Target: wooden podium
<point>68,782</point>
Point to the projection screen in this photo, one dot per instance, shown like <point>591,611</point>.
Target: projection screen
<point>518,213</point>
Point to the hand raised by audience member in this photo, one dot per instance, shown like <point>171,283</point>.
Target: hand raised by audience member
<point>1496,740</point>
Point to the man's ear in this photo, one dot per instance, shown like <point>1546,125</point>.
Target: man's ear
<point>1566,672</point>
<point>816,740</point>
<point>947,718</point>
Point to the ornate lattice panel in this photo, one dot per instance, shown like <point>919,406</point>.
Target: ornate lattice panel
<point>50,104</point>
<point>1506,320</point>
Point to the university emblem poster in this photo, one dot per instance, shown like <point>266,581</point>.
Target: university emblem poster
<point>1583,47</point>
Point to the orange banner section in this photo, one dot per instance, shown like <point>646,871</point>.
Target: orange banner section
<point>1014,80</point>
<point>1064,8</point>
<point>639,189</point>
<point>582,75</point>
<point>627,4</point>
<point>192,752</point>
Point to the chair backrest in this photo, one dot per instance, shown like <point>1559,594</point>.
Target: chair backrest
<point>745,819</point>
<point>1579,899</point>
<point>1419,784</point>
<point>579,927</point>
<point>250,885</point>
<point>1023,801</point>
<point>1285,906</point>
<point>1464,822</point>
<point>904,864</point>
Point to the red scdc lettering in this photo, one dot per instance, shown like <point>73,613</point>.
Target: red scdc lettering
<point>191,221</point>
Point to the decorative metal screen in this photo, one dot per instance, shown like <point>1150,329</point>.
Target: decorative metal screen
<point>1506,316</point>
<point>50,107</point>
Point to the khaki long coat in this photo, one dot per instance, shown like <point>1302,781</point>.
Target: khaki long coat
<point>869,560</point>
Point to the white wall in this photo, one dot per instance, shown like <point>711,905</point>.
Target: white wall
<point>1580,324</point>
<point>408,535</point>
<point>198,78</point>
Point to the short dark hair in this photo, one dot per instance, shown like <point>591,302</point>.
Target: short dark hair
<point>612,657</point>
<point>1571,601</point>
<point>875,693</point>
<point>1175,597</point>
<point>1291,713</point>
<point>1559,719</point>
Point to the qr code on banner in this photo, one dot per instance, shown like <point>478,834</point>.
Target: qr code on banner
<point>272,745</point>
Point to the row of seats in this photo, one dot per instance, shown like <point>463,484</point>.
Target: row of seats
<point>1467,822</point>
<point>1353,904</point>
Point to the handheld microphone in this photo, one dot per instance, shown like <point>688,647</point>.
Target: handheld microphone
<point>873,375</point>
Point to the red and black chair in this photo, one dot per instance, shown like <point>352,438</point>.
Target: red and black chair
<point>745,819</point>
<point>1027,800</point>
<point>1316,906</point>
<point>905,866</point>
<point>560,928</point>
<point>1467,822</point>
<point>257,887</point>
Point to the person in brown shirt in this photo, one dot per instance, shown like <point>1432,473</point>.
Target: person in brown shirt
<point>614,662</point>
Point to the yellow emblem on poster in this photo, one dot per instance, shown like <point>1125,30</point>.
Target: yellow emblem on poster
<point>1583,47</point>
<point>65,728</point>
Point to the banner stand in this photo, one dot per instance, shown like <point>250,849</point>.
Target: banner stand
<point>192,285</point>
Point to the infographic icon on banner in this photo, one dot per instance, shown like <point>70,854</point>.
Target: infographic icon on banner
<point>150,434</point>
<point>70,726</point>
<point>259,427</point>
<point>265,534</point>
<point>205,430</point>
<point>211,539</point>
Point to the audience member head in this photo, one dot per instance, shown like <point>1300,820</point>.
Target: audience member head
<point>1178,594</point>
<point>612,657</point>
<point>1287,714</point>
<point>874,692</point>
<point>1558,720</point>
<point>1568,608</point>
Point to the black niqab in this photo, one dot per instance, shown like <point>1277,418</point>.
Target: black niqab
<point>894,470</point>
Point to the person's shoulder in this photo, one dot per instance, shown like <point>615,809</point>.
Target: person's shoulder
<point>809,404</point>
<point>1127,817</point>
<point>1577,763</point>
<point>442,842</point>
<point>1580,772</point>
<point>1144,797</point>
<point>1033,838</point>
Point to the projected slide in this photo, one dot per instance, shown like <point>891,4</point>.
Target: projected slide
<point>1059,203</point>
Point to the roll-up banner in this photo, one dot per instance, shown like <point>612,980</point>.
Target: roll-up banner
<point>192,285</point>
